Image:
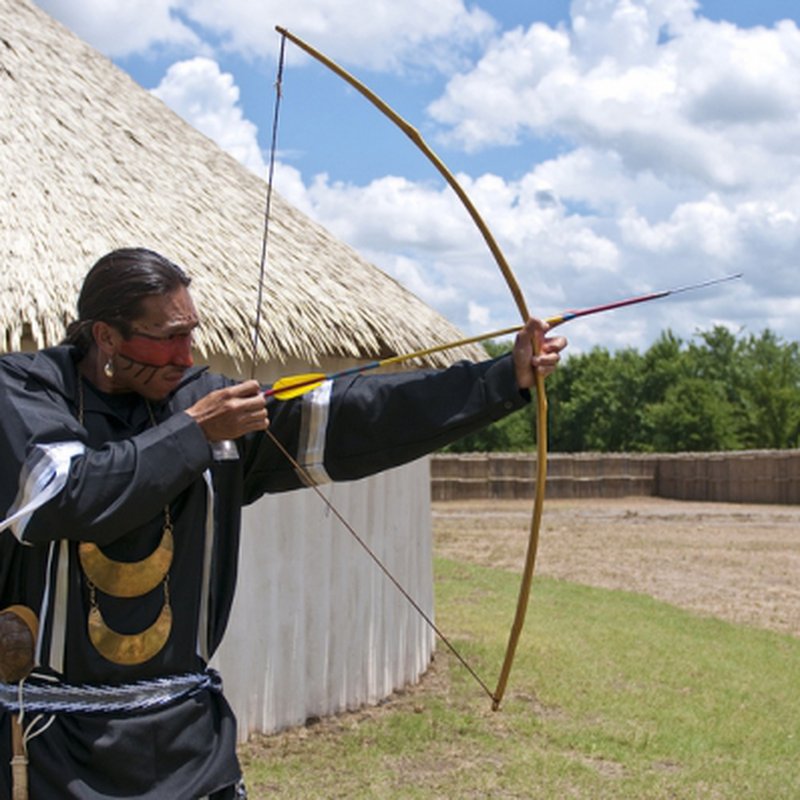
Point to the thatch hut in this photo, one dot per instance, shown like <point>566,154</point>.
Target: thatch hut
<point>90,162</point>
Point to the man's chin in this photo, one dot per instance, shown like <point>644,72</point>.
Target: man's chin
<point>163,387</point>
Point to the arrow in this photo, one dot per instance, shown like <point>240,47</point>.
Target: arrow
<point>295,385</point>
<point>566,316</point>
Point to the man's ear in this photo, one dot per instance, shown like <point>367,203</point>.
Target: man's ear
<point>106,337</point>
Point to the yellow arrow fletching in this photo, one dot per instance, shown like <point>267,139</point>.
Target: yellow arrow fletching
<point>295,385</point>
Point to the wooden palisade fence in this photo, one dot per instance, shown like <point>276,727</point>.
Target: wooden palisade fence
<point>751,476</point>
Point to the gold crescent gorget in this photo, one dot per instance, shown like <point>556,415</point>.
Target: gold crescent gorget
<point>127,578</point>
<point>128,649</point>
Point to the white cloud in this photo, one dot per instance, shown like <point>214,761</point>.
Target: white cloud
<point>384,35</point>
<point>393,212</point>
<point>417,278</point>
<point>119,28</point>
<point>704,227</point>
<point>708,102</point>
<point>291,187</point>
<point>680,157</point>
<point>420,234</point>
<point>208,99</point>
<point>478,315</point>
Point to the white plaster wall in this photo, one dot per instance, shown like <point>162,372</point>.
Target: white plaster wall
<point>316,626</point>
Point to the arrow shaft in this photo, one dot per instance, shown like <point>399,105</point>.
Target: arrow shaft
<point>315,380</point>
<point>566,316</point>
<point>311,381</point>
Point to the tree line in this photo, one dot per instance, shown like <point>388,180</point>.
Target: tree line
<point>719,391</point>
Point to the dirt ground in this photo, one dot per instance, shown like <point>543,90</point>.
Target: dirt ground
<point>737,562</point>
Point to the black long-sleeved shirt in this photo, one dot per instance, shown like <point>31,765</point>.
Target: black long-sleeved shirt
<point>108,480</point>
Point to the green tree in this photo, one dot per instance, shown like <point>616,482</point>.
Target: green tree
<point>718,392</point>
<point>663,365</point>
<point>595,402</point>
<point>770,392</point>
<point>691,392</point>
<point>695,415</point>
<point>718,358</point>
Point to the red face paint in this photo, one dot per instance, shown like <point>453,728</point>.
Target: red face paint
<point>155,352</point>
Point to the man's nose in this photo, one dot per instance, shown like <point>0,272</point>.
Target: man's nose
<point>182,355</point>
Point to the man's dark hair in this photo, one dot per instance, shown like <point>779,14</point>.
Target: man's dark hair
<point>115,287</point>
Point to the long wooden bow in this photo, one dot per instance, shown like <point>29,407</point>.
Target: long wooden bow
<point>513,285</point>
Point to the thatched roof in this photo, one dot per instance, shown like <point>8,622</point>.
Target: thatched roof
<point>90,161</point>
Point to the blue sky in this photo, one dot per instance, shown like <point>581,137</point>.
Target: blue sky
<point>615,146</point>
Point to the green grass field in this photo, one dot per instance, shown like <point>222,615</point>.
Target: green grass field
<point>612,695</point>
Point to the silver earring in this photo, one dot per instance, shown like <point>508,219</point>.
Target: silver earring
<point>108,368</point>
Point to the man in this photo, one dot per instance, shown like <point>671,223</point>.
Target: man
<point>122,483</point>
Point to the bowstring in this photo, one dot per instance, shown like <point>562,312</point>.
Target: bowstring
<point>273,149</point>
<point>301,471</point>
<point>309,482</point>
